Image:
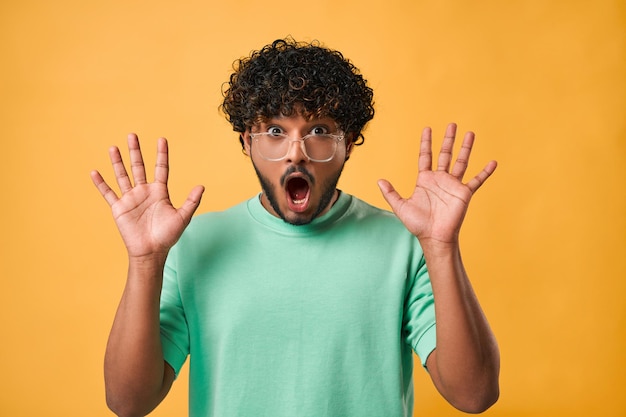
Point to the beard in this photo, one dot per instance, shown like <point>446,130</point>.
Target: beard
<point>328,192</point>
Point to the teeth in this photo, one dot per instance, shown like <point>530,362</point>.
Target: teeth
<point>299,201</point>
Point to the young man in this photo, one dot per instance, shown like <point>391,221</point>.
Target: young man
<point>303,300</point>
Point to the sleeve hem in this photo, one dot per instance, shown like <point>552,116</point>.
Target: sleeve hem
<point>172,354</point>
<point>426,343</point>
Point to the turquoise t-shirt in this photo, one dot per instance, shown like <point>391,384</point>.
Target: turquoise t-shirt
<point>309,321</point>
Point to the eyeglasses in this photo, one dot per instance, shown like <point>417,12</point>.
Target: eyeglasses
<point>317,147</point>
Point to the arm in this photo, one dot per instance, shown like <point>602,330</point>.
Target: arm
<point>136,376</point>
<point>465,365</point>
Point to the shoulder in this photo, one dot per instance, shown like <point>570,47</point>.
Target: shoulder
<point>362,211</point>
<point>366,221</point>
<point>215,218</point>
<point>216,223</point>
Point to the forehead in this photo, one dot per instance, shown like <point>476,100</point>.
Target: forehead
<point>297,120</point>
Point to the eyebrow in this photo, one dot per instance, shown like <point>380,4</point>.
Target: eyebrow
<point>279,120</point>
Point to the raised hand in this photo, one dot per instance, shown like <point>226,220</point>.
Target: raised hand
<point>144,214</point>
<point>435,210</point>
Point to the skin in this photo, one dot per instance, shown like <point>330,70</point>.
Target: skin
<point>321,176</point>
<point>136,376</point>
<point>465,365</point>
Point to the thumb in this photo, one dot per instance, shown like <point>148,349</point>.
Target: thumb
<point>191,204</point>
<point>389,193</point>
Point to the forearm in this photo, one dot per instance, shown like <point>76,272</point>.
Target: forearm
<point>465,364</point>
<point>134,368</point>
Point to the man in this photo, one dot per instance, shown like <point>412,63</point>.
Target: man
<point>303,300</point>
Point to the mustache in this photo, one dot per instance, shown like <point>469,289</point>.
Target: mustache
<point>293,169</point>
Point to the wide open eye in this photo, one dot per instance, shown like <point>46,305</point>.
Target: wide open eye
<point>319,130</point>
<point>275,131</point>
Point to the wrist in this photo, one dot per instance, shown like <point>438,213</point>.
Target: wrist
<point>146,273</point>
<point>148,261</point>
<point>438,248</point>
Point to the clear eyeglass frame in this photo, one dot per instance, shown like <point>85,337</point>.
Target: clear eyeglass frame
<point>279,140</point>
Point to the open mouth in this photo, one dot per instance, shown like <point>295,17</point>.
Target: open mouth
<point>298,192</point>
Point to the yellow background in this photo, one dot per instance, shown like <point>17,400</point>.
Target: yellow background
<point>542,83</point>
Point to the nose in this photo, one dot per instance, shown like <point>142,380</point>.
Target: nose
<point>296,153</point>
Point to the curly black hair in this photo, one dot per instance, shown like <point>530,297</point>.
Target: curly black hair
<point>288,77</point>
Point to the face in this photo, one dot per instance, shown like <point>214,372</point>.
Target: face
<point>297,189</point>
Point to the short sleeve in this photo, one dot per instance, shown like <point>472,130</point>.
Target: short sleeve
<point>174,329</point>
<point>419,313</point>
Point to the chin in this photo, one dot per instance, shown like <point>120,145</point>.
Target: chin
<point>297,219</point>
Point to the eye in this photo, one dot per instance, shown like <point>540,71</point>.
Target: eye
<point>319,130</point>
<point>275,131</point>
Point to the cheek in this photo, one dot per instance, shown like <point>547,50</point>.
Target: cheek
<point>269,170</point>
<point>343,153</point>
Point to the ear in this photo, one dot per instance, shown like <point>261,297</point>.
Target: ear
<point>245,137</point>
<point>349,147</point>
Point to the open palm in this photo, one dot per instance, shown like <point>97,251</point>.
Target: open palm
<point>437,207</point>
<point>144,214</point>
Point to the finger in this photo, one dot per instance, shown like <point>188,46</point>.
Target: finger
<point>136,160</point>
<point>191,204</point>
<point>475,183</point>
<point>162,168</point>
<point>106,191</point>
<point>462,159</point>
<point>121,175</point>
<point>445,155</point>
<point>390,194</point>
<point>424,163</point>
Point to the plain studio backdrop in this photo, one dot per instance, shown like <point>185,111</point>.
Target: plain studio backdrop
<point>542,83</point>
